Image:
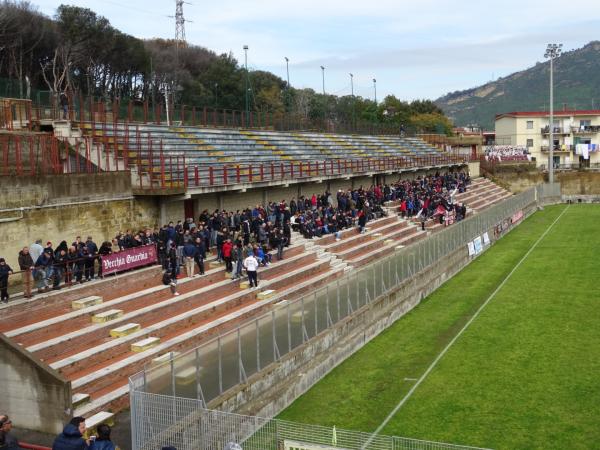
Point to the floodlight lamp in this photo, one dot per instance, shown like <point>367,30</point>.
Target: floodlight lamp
<point>322,68</point>
<point>286,58</point>
<point>245,47</point>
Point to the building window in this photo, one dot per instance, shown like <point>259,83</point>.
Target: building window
<point>530,124</point>
<point>529,143</point>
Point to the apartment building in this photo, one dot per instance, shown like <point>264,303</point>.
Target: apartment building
<point>576,135</point>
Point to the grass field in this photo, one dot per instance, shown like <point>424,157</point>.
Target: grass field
<point>524,375</point>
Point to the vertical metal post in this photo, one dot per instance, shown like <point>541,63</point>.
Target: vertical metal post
<point>257,346</point>
<point>220,366</point>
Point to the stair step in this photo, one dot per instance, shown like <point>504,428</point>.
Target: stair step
<point>79,399</point>
<point>187,376</point>
<point>107,316</point>
<point>163,358</point>
<point>102,417</point>
<point>266,294</point>
<point>86,302</point>
<point>125,330</point>
<point>145,344</point>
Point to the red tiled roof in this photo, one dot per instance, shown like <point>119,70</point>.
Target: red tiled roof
<point>569,112</point>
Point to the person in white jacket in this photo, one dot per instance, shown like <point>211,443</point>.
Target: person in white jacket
<point>251,266</point>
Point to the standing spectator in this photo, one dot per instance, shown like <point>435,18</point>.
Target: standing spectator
<point>41,270</point>
<point>59,265</point>
<point>36,249</point>
<point>173,261</point>
<point>189,255</point>
<point>227,248</point>
<point>105,249</point>
<point>26,266</point>
<point>238,257</point>
<point>200,254</point>
<point>72,436</point>
<point>92,252</point>
<point>251,266</point>
<point>5,271</point>
<point>102,441</point>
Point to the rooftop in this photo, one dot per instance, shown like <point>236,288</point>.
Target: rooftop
<point>559,113</point>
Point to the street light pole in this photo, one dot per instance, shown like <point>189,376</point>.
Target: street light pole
<point>375,88</point>
<point>553,51</point>
<point>287,68</point>
<point>247,87</point>
<point>323,71</point>
<point>352,90</point>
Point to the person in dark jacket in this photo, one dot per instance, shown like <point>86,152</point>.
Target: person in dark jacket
<point>72,436</point>
<point>189,256</point>
<point>26,266</point>
<point>200,254</point>
<point>59,265</point>
<point>103,441</point>
<point>5,271</point>
<point>92,249</point>
<point>42,271</point>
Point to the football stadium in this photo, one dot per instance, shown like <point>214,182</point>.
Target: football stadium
<point>196,254</point>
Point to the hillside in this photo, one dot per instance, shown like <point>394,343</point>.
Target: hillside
<point>576,78</point>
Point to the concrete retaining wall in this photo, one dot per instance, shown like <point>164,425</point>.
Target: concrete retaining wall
<point>277,386</point>
<point>35,396</point>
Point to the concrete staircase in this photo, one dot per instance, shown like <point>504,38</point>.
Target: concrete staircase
<point>98,339</point>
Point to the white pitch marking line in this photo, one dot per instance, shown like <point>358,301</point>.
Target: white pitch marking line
<point>454,339</point>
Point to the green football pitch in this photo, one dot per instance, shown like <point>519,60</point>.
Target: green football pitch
<point>524,373</point>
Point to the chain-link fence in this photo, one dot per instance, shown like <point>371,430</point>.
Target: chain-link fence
<point>209,370</point>
<point>184,424</point>
<point>167,398</point>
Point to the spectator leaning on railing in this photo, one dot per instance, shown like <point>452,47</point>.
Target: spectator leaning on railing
<point>228,233</point>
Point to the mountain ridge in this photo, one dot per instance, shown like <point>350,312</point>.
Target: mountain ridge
<point>576,85</point>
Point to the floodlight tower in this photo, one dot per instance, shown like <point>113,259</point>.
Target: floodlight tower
<point>553,51</point>
<point>323,72</point>
<point>375,89</point>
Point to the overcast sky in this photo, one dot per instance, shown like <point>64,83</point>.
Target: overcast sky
<point>415,49</point>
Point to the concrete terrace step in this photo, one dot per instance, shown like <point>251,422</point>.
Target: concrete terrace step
<point>154,312</point>
<point>76,320</point>
<point>338,246</point>
<point>175,324</point>
<point>349,232</point>
<point>387,248</point>
<point>18,313</point>
<point>99,418</point>
<point>376,241</point>
<point>115,375</point>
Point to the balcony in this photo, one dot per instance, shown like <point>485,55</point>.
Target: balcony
<point>588,129</point>
<point>556,130</point>
<point>559,148</point>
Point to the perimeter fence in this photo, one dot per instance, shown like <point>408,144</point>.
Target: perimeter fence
<point>202,429</point>
<point>170,394</point>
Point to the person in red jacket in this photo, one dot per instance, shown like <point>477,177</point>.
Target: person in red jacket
<point>227,248</point>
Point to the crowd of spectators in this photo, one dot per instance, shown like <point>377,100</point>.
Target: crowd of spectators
<point>499,153</point>
<point>234,236</point>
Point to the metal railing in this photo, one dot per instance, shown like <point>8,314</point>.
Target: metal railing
<point>202,429</point>
<point>222,363</point>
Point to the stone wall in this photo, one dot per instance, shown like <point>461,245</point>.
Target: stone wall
<point>56,208</point>
<point>34,395</point>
